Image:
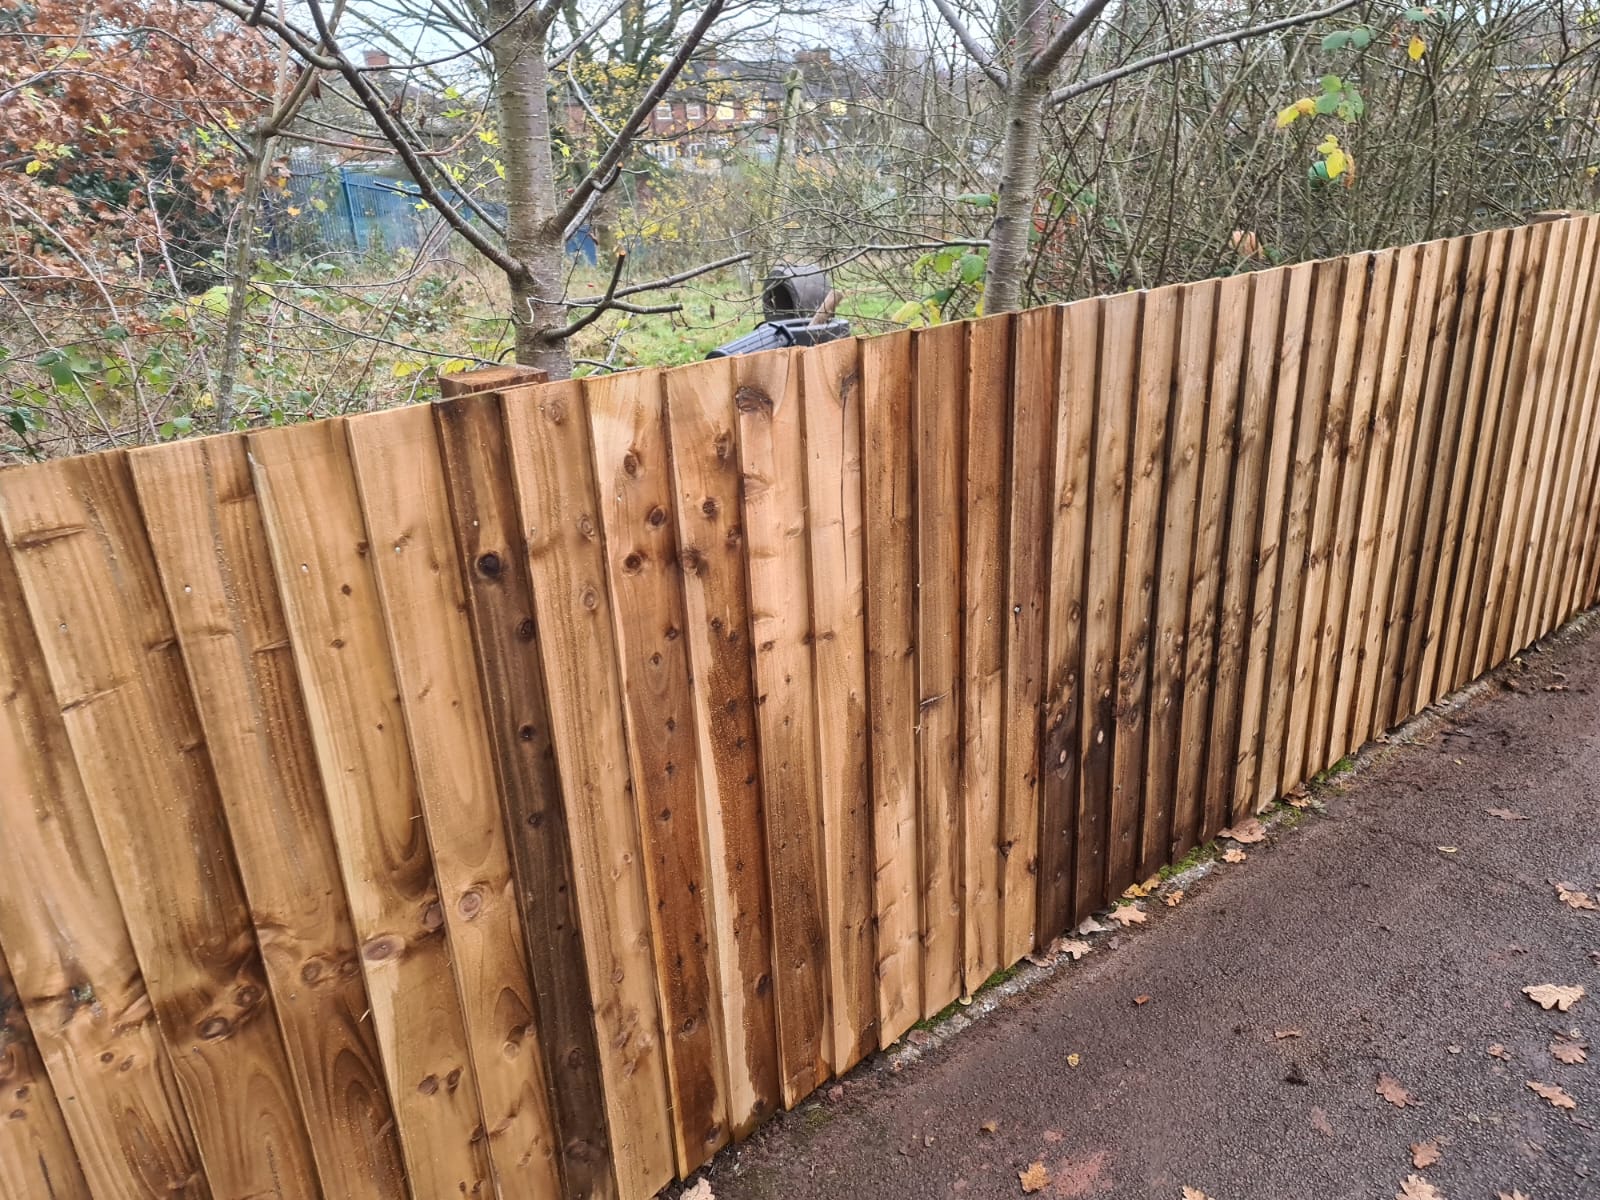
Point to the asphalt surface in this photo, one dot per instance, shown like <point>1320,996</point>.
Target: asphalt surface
<point>1392,934</point>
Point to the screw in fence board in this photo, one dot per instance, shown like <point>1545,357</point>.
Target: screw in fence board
<point>119,680</point>
<point>493,564</point>
<point>831,397</point>
<point>210,549</point>
<point>713,541</point>
<point>321,555</point>
<point>558,502</point>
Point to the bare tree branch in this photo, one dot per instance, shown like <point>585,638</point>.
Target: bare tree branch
<point>970,43</point>
<point>655,285</point>
<point>1042,64</point>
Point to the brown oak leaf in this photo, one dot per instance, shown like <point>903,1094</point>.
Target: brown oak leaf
<point>1571,1053</point>
<point>1072,946</point>
<point>1550,995</point>
<point>1513,1195</point>
<point>1391,1090</point>
<point>1234,855</point>
<point>1249,831</point>
<point>1190,1193</point>
<point>1174,897</point>
<point>1417,1188</point>
<point>700,1191</point>
<point>1552,1093</point>
<point>1506,814</point>
<point>1034,1178</point>
<point>1569,895</point>
<point>990,1126</point>
<point>1319,1122</point>
<point>1498,1051</point>
<point>1424,1154</point>
<point>1128,914</point>
<point>1285,1034</point>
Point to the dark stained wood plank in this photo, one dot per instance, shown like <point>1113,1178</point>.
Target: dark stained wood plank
<point>322,557</point>
<point>712,544</point>
<point>1577,518</point>
<point>983,625</point>
<point>771,456</point>
<point>628,437</point>
<point>938,424</point>
<point>831,394</point>
<point>889,496</point>
<point>119,681</point>
<point>65,936</point>
<point>547,438</point>
<point>406,508</point>
<point>210,548</point>
<point>499,600</point>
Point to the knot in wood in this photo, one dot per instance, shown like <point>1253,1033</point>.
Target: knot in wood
<point>489,564</point>
<point>752,400</point>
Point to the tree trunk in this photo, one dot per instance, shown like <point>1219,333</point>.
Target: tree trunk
<point>1019,183</point>
<point>241,267</point>
<point>521,83</point>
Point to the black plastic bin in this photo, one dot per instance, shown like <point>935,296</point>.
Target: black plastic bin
<point>778,335</point>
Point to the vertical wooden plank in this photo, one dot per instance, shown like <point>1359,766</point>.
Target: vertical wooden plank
<point>1474,300</point>
<point>37,1158</point>
<point>1098,833</point>
<point>65,936</point>
<point>119,680</point>
<point>1304,485</point>
<point>983,624</point>
<point>1238,559</point>
<point>1349,566</point>
<point>210,549</point>
<point>772,465</point>
<point>889,493</point>
<point>1034,382</point>
<point>1066,509</point>
<point>1400,424</point>
<point>938,423</point>
<point>547,437</point>
<point>1323,591</point>
<point>1281,412</point>
<point>1515,418</point>
<point>712,542</point>
<point>1226,376</point>
<point>322,557</point>
<point>1491,343</point>
<point>1169,646</point>
<point>405,505</point>
<point>628,433</point>
<point>1152,402</point>
<point>1388,413</point>
<point>831,395</point>
<point>499,599</point>
<point>1566,597</point>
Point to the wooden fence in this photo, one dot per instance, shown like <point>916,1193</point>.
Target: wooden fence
<point>526,795</point>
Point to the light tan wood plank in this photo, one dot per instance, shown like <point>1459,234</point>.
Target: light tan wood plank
<point>547,435</point>
<point>322,557</point>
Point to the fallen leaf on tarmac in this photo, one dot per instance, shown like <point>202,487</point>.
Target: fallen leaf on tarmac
<point>1248,831</point>
<point>1034,1179</point>
<point>1135,891</point>
<point>1174,897</point>
<point>1074,1059</point>
<point>1510,1196</point>
<point>1506,814</point>
<point>1569,895</point>
<point>1039,960</point>
<point>1499,1051</point>
<point>990,1126</point>
<point>1282,1034</point>
<point>1417,1188</point>
<point>1549,995</point>
<point>1319,1122</point>
<point>1391,1090</point>
<point>1424,1154</point>
<point>1073,947</point>
<point>1449,849</point>
<point>1140,1001</point>
<point>1232,855</point>
<point>1090,925</point>
<point>1190,1193</point>
<point>1570,1053</point>
<point>1553,1094</point>
<point>1128,914</point>
<point>700,1191</point>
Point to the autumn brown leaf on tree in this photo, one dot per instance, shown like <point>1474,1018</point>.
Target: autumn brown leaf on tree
<point>1556,996</point>
<point>1556,1095</point>
<point>1034,1178</point>
<point>1391,1090</point>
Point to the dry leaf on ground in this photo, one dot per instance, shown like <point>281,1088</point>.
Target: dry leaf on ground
<point>1140,1001</point>
<point>1506,814</point>
<point>1135,891</point>
<point>1550,995</point>
<point>700,1191</point>
<point>1090,925</point>
<point>1174,897</point>
<point>1190,1193</point>
<point>1511,1196</point>
<point>1034,1178</point>
<point>1282,1034</point>
<point>1571,1053</point>
<point>1248,831</point>
<point>1569,895</point>
<point>1424,1154</point>
<point>1319,1122</point>
<point>990,1126</point>
<point>1417,1188</point>
<point>1074,1059</point>
<point>1128,914</point>
<point>1234,855</point>
<point>1070,946</point>
<point>1552,1093</point>
<point>1391,1090</point>
<point>1499,1051</point>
